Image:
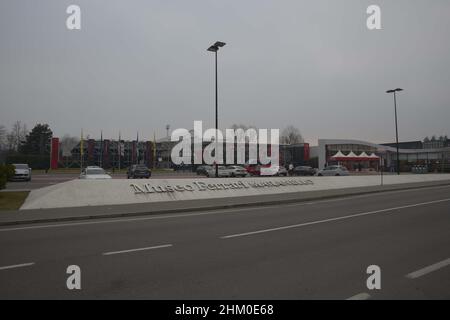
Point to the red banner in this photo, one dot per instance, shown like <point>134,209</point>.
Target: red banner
<point>54,157</point>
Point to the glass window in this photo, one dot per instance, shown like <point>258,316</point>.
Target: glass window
<point>95,171</point>
<point>21,166</point>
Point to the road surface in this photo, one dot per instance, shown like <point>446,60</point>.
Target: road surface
<point>316,250</point>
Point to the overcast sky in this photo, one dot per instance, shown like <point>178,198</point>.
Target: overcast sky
<point>139,65</point>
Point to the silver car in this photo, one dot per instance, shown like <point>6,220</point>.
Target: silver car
<point>237,171</point>
<point>94,173</point>
<point>273,171</point>
<point>333,171</point>
<point>21,172</point>
<point>222,172</point>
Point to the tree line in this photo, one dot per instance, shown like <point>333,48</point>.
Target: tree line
<point>289,135</point>
<point>20,140</point>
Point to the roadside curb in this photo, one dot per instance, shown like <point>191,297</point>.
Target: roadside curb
<point>199,205</point>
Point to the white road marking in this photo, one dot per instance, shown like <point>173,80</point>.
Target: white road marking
<point>360,296</point>
<point>429,269</point>
<point>138,249</point>
<point>17,266</point>
<point>209,212</point>
<point>333,219</point>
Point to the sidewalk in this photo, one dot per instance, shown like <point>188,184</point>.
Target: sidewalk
<point>98,212</point>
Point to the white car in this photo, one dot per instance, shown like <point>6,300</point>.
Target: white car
<point>273,171</point>
<point>333,171</point>
<point>21,172</point>
<point>222,172</point>
<point>94,173</point>
<point>237,171</point>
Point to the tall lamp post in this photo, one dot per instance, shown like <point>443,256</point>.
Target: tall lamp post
<point>394,91</point>
<point>214,48</point>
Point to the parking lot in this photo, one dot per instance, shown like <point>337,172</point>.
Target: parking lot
<point>40,180</point>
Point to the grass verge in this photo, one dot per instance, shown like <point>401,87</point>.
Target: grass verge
<point>12,200</point>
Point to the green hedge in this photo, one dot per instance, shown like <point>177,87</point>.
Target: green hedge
<point>6,173</point>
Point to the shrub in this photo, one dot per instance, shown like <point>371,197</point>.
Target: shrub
<point>6,173</point>
<point>2,182</point>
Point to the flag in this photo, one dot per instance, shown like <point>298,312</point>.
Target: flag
<point>154,147</point>
<point>122,149</point>
<point>137,147</point>
<point>81,150</point>
<point>81,145</point>
<point>101,148</point>
<point>119,152</point>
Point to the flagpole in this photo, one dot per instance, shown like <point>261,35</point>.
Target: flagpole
<point>154,150</point>
<point>120,150</point>
<point>137,148</point>
<point>101,149</point>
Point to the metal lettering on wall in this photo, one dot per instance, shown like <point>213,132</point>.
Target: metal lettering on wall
<point>203,186</point>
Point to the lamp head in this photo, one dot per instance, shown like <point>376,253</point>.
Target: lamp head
<point>215,47</point>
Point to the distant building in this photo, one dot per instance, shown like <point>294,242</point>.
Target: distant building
<point>437,159</point>
<point>436,144</point>
<point>106,153</point>
<point>405,145</point>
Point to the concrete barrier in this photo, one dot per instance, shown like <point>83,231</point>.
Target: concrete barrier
<point>81,193</point>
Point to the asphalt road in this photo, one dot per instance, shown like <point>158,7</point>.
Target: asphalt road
<point>317,250</point>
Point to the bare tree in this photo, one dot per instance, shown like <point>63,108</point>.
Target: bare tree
<point>16,136</point>
<point>253,134</point>
<point>67,144</point>
<point>2,137</point>
<point>241,126</point>
<point>291,135</point>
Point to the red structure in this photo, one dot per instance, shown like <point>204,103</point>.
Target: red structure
<point>306,151</point>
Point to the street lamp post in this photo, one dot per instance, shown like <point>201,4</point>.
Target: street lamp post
<point>214,48</point>
<point>394,91</point>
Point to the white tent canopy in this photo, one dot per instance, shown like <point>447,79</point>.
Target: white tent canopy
<point>339,154</point>
<point>374,156</point>
<point>363,155</point>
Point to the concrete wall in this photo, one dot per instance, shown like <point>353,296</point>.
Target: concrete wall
<point>77,193</point>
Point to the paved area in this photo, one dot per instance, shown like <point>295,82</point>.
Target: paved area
<point>317,249</point>
<point>41,180</point>
<point>13,217</point>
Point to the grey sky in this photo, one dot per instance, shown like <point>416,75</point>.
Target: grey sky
<point>139,65</point>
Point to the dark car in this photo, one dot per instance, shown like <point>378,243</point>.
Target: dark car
<point>202,170</point>
<point>304,171</point>
<point>137,171</point>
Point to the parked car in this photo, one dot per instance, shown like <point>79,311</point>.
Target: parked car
<point>137,171</point>
<point>237,171</point>
<point>333,171</point>
<point>94,173</point>
<point>419,169</point>
<point>253,169</point>
<point>304,171</point>
<point>21,172</point>
<point>222,172</point>
<point>202,170</point>
<point>273,171</point>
